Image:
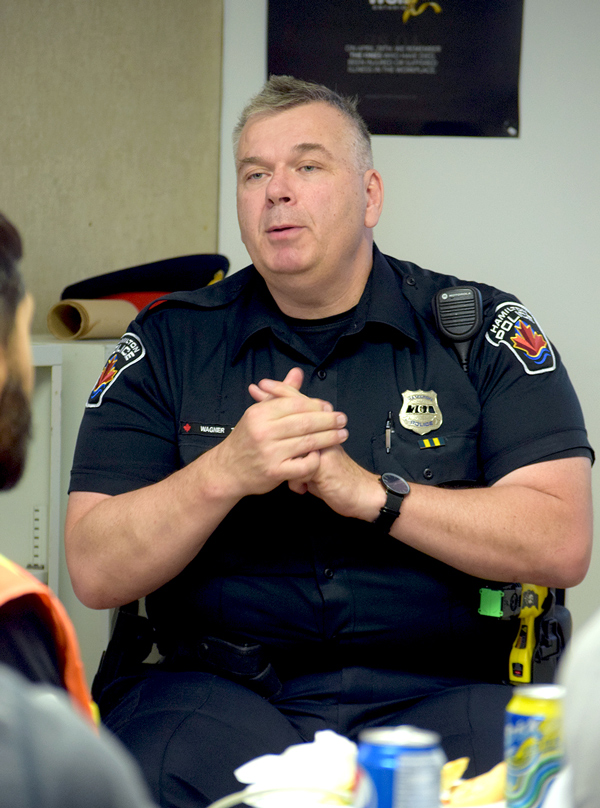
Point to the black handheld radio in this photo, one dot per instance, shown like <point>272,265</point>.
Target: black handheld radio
<point>459,316</point>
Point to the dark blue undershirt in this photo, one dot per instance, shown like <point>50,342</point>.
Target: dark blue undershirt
<point>321,335</point>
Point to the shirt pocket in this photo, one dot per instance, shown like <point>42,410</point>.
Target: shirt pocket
<point>448,459</point>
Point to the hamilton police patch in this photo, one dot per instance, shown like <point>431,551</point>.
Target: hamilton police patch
<point>515,327</point>
<point>128,351</point>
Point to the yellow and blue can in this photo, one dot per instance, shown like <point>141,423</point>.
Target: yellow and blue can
<point>533,744</point>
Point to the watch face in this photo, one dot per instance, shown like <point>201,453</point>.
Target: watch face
<point>395,483</point>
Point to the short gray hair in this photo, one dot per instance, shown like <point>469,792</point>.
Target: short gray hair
<point>286,92</point>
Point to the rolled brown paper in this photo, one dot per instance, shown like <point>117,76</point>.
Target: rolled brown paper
<point>90,319</point>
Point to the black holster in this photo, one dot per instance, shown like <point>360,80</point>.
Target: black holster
<point>133,638</point>
<point>131,642</point>
<point>246,664</point>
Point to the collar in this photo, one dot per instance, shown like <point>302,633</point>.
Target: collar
<point>377,304</point>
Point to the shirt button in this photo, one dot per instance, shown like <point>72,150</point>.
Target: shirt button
<point>428,474</point>
<point>322,374</point>
<point>328,573</point>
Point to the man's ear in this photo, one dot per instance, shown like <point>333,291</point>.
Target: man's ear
<point>374,191</point>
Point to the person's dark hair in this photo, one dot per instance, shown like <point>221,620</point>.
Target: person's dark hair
<point>285,92</point>
<point>15,412</point>
<point>12,288</point>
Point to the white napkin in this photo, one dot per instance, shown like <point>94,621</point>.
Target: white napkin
<point>328,764</point>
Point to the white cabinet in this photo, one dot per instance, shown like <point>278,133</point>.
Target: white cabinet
<point>32,515</point>
<point>82,363</point>
<point>30,519</point>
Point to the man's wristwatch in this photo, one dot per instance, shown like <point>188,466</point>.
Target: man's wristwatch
<point>396,488</point>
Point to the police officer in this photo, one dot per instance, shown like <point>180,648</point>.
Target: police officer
<point>294,460</point>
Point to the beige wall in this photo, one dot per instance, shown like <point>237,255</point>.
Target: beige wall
<point>109,134</point>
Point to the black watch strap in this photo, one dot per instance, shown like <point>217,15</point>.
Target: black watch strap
<point>396,489</point>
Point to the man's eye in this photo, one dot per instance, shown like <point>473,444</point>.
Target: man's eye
<point>308,169</point>
<point>256,175</point>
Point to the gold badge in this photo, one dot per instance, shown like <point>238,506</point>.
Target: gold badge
<point>420,411</point>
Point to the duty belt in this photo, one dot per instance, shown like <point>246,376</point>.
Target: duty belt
<point>246,664</point>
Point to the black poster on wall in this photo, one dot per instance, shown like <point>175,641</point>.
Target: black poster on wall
<point>419,68</point>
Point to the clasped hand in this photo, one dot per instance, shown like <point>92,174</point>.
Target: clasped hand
<point>304,436</point>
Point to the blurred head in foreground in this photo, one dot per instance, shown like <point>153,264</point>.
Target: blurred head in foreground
<point>16,368</point>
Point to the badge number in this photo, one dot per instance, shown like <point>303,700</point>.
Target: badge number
<point>420,411</point>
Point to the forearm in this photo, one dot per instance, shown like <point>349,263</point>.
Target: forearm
<point>534,525</point>
<point>504,533</point>
<point>128,545</point>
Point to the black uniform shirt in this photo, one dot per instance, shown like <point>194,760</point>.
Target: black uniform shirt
<point>315,588</point>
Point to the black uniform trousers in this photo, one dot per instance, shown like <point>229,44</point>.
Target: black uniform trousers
<point>190,730</point>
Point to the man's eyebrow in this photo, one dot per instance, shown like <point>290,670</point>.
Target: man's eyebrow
<point>308,147</point>
<point>243,161</point>
<point>301,148</point>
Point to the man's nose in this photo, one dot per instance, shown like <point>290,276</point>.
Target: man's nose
<point>279,190</point>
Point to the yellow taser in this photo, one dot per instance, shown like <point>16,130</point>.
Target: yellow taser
<point>521,655</point>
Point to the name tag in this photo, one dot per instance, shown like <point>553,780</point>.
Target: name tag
<point>194,428</point>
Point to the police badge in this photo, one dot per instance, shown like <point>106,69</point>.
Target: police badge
<point>420,411</point>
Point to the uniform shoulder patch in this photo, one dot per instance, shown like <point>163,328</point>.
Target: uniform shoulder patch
<point>128,351</point>
<point>515,328</point>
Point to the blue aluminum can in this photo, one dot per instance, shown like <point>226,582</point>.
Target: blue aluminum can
<point>398,767</point>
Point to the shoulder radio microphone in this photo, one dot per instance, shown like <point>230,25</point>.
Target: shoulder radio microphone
<point>458,314</point>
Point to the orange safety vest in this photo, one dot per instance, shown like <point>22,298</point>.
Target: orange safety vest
<point>15,582</point>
